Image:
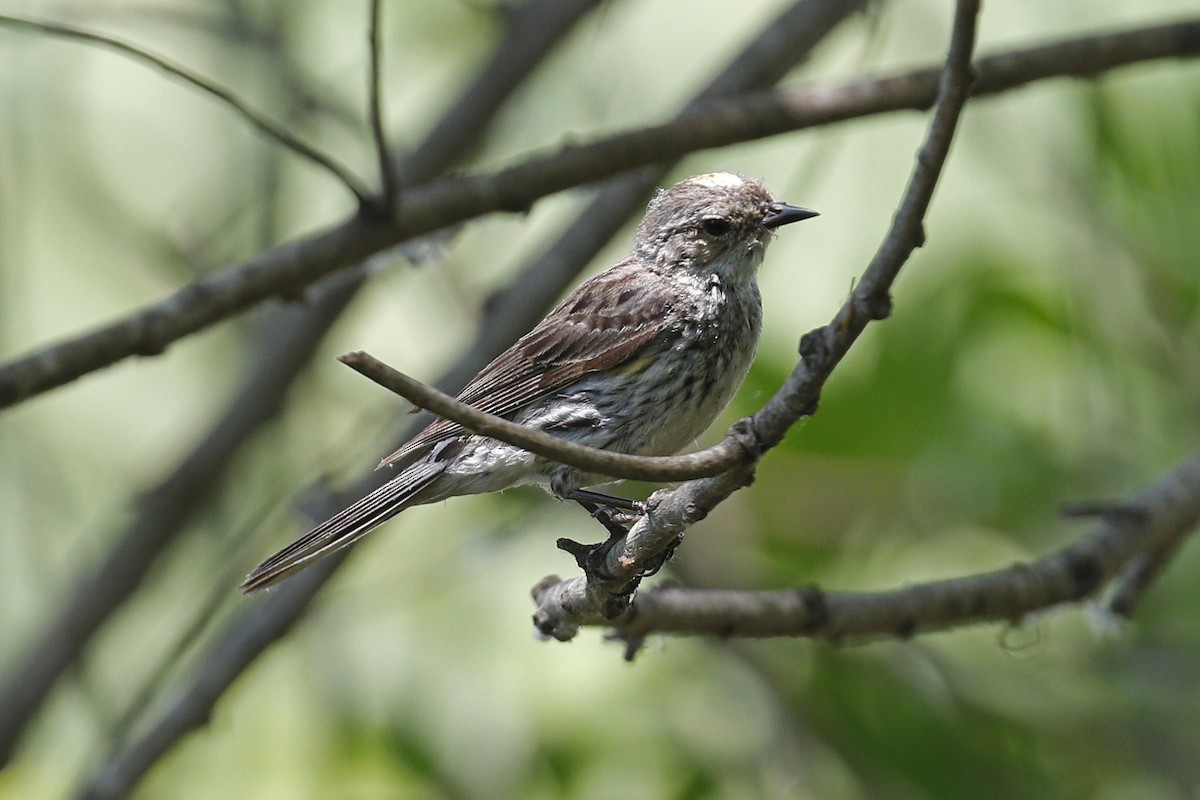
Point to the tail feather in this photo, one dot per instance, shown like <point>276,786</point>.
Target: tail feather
<point>345,527</point>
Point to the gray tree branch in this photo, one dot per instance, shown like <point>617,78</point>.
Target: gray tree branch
<point>254,633</point>
<point>383,153</point>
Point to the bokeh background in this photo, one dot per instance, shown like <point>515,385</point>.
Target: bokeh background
<point>1045,348</point>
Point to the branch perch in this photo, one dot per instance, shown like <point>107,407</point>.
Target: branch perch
<point>733,451</point>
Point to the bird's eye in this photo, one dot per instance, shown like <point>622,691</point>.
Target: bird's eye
<point>716,226</point>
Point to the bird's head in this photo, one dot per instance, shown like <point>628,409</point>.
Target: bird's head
<point>719,223</point>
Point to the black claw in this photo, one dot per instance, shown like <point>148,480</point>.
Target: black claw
<point>662,559</point>
<point>625,518</point>
<point>593,558</point>
<point>576,550</point>
<point>615,529</point>
<point>626,592</point>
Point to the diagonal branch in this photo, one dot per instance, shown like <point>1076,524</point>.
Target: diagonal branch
<point>563,605</point>
<point>286,270</point>
<point>256,120</point>
<point>1140,573</point>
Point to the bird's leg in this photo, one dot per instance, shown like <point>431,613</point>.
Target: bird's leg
<point>616,530</point>
<point>633,509</point>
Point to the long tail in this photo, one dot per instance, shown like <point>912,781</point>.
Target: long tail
<point>347,526</point>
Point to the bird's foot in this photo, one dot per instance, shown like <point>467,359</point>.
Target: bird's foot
<point>593,558</point>
<point>616,514</point>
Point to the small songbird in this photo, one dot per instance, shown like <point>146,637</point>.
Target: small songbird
<point>640,359</point>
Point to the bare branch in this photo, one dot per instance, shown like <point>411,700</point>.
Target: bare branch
<point>1167,511</point>
<point>286,270</point>
<point>387,170</point>
<point>563,605</point>
<point>1141,573</point>
<point>256,120</point>
<point>163,513</point>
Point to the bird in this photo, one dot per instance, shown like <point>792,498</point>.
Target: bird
<point>639,359</point>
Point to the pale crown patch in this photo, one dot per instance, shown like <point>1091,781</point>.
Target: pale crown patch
<point>718,180</point>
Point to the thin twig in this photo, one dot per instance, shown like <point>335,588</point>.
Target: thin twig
<point>387,170</point>
<point>1141,573</point>
<point>260,123</point>
<point>729,453</point>
<point>529,26</point>
<point>562,605</point>
<point>286,270</point>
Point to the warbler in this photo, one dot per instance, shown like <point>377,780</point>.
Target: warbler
<point>639,359</point>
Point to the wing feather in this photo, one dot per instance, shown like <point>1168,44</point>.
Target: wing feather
<point>604,323</point>
<point>347,526</point>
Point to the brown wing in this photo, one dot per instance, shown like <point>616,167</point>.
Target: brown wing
<point>602,324</point>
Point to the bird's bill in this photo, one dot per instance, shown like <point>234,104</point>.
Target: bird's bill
<point>783,214</point>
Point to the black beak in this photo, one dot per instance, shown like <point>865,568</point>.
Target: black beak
<point>782,214</point>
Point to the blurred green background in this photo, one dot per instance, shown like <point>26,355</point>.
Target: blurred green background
<point>1045,348</point>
